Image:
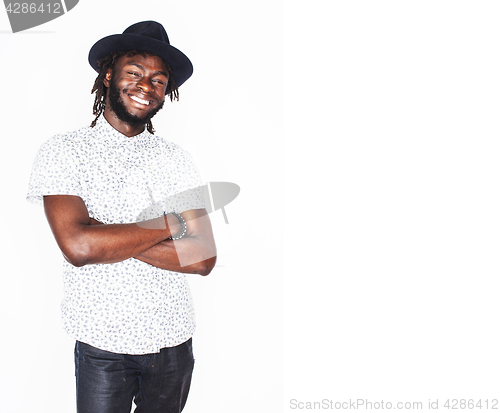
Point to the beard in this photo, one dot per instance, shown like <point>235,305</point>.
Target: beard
<point>118,107</point>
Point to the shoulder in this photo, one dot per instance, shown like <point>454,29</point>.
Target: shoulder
<point>63,142</point>
<point>172,149</point>
<point>168,145</point>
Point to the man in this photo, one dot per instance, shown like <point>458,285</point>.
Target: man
<point>127,211</point>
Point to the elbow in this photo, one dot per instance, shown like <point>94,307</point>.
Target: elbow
<point>205,267</point>
<point>74,261</point>
<point>76,254</point>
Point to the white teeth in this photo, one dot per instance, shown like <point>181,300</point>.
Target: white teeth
<point>144,102</point>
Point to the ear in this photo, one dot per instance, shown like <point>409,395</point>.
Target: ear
<point>107,78</point>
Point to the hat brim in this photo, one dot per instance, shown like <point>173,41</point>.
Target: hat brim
<point>179,63</point>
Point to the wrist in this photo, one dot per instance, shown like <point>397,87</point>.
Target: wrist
<point>177,226</point>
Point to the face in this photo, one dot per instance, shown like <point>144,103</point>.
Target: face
<point>136,88</point>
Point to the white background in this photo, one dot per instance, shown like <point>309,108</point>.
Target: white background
<point>388,155</point>
<point>392,264</point>
<point>229,117</point>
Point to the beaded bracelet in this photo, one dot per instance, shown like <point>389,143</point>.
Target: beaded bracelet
<point>184,227</point>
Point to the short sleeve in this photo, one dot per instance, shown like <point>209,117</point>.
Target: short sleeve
<point>190,191</point>
<point>54,171</point>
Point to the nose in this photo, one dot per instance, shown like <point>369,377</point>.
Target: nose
<point>144,84</point>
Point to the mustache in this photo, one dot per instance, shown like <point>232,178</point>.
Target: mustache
<point>119,108</point>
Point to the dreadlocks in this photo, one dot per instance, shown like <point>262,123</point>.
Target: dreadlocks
<point>109,63</point>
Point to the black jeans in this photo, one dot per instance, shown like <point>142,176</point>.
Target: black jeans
<point>108,382</point>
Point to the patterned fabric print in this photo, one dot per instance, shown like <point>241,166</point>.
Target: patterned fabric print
<point>127,307</point>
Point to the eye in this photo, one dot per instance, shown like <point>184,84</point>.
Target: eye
<point>133,73</point>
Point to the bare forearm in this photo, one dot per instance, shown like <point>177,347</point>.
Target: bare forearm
<point>105,244</point>
<point>195,253</point>
<point>187,255</point>
<point>82,241</point>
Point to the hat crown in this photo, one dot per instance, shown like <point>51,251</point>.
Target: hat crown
<point>151,29</point>
<point>147,36</point>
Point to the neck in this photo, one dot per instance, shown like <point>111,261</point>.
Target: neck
<point>122,127</point>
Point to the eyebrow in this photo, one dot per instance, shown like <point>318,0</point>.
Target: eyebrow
<point>158,72</point>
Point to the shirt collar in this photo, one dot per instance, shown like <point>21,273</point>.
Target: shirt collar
<point>107,132</point>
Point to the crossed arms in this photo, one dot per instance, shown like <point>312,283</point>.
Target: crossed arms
<point>84,240</point>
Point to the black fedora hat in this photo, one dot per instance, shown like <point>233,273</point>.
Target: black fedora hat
<point>148,36</point>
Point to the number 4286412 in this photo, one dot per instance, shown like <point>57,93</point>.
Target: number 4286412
<point>32,8</point>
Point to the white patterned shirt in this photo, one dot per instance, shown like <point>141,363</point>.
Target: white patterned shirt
<point>130,306</point>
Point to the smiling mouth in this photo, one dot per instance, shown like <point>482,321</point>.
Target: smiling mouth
<point>139,100</point>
